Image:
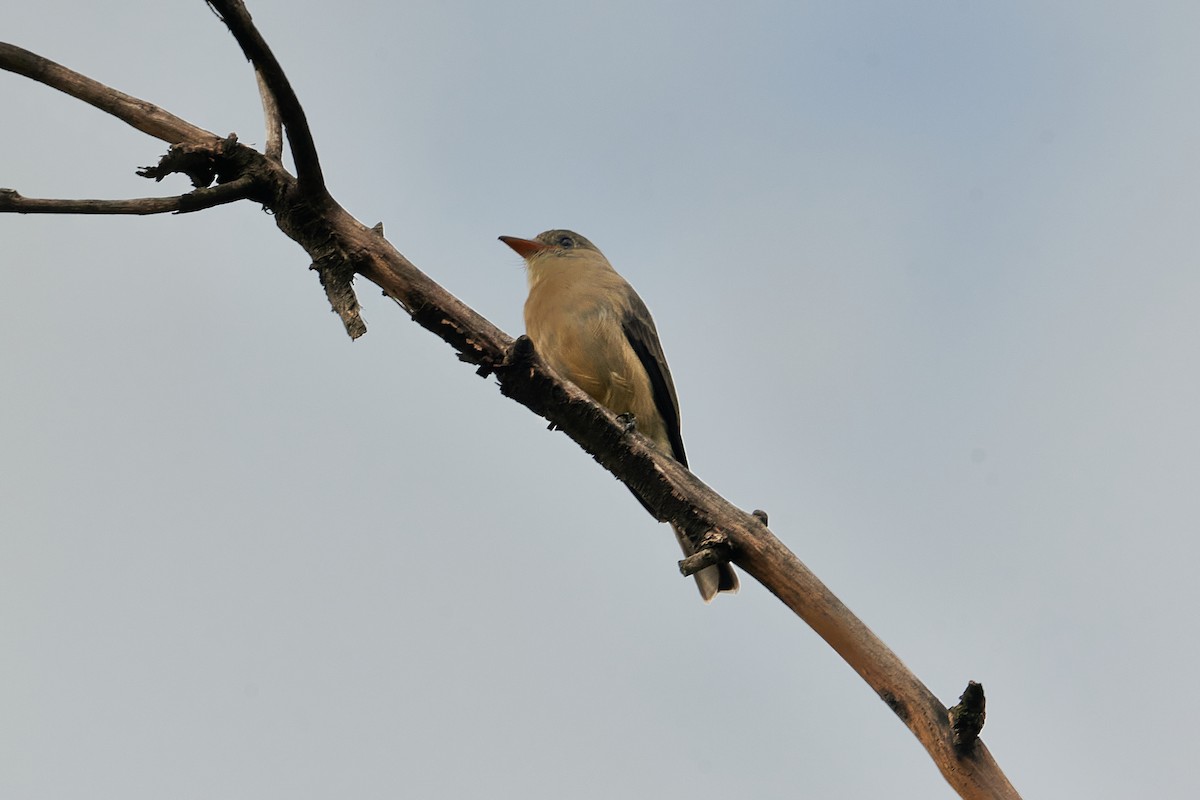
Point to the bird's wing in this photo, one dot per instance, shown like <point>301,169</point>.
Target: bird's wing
<point>643,338</point>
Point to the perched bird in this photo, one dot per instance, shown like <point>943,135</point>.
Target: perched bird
<point>591,327</point>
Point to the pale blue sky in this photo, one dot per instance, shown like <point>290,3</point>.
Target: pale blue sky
<point>926,276</point>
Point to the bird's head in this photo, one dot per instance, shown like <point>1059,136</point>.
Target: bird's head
<point>552,244</point>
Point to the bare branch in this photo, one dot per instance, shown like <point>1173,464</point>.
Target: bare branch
<point>698,561</point>
<point>146,117</point>
<point>13,202</point>
<point>304,151</point>
<point>713,548</point>
<point>274,125</point>
<point>672,491</point>
<point>678,495</point>
<point>342,245</point>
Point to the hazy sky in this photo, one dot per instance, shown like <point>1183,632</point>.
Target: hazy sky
<point>927,277</point>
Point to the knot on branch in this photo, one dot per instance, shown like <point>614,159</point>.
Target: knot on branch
<point>9,199</point>
<point>714,547</point>
<point>202,162</point>
<point>966,718</point>
<point>521,354</point>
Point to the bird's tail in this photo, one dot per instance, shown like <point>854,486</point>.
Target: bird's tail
<point>710,580</point>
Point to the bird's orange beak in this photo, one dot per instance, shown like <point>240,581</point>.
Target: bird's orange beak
<point>524,247</point>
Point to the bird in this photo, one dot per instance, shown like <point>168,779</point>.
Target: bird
<point>593,329</point>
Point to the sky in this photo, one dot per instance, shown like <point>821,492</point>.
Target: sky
<point>926,276</point>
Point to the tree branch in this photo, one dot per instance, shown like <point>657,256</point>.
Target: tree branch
<point>304,150</point>
<point>146,117</point>
<point>274,125</point>
<point>339,243</point>
<point>198,200</point>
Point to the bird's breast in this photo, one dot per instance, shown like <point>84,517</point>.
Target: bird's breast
<point>577,328</point>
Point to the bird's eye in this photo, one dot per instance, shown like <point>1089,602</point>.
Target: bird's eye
<point>566,242</point>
